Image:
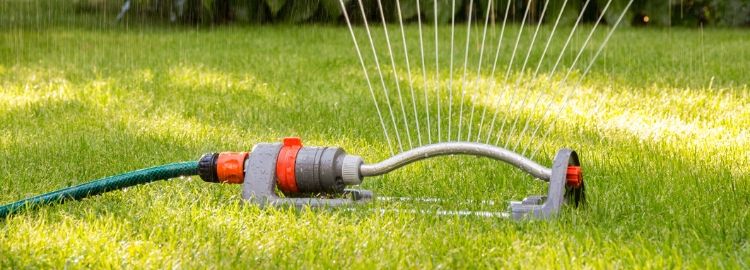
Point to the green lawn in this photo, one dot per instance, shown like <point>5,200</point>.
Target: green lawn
<point>661,126</point>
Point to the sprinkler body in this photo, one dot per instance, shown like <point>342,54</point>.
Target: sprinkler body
<point>318,176</point>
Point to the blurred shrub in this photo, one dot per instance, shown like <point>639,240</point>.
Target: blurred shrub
<point>642,12</point>
<point>732,12</point>
<point>97,5</point>
<point>692,13</point>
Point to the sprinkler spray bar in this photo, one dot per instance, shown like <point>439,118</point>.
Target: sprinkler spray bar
<point>455,148</point>
<point>290,174</point>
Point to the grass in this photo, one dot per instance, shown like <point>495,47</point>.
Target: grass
<point>661,126</point>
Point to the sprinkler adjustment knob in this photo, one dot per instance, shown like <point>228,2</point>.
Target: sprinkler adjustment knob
<point>350,170</point>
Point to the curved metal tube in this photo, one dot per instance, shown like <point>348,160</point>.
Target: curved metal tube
<point>451,148</point>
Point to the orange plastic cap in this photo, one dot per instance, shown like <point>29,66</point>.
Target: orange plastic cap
<point>574,176</point>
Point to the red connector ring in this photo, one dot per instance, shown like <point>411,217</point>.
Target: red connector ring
<point>285,164</point>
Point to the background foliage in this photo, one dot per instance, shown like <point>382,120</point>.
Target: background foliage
<point>643,12</point>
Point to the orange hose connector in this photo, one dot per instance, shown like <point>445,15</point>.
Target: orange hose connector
<point>230,167</point>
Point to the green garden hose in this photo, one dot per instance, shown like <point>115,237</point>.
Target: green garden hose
<point>106,184</point>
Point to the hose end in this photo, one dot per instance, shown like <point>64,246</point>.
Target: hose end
<point>207,167</point>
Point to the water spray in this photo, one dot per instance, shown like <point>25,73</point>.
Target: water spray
<point>290,174</point>
<point>293,175</point>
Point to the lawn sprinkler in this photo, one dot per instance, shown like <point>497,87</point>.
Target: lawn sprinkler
<point>290,174</point>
